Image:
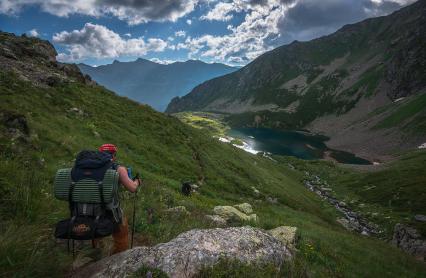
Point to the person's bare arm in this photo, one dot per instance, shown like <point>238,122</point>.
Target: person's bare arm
<point>129,184</point>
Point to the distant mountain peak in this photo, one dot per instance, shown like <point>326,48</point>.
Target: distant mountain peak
<point>154,83</point>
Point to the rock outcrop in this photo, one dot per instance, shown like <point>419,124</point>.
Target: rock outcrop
<point>409,240</point>
<point>33,59</point>
<point>188,253</point>
<point>231,214</point>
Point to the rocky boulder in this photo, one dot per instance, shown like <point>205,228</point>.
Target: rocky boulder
<point>232,214</point>
<point>286,234</point>
<point>244,207</point>
<point>409,240</point>
<point>188,253</point>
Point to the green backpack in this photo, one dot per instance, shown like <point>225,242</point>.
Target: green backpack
<point>86,190</point>
<point>91,189</point>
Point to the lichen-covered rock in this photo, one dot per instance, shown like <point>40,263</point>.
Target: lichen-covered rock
<point>188,253</point>
<point>286,234</point>
<point>217,220</point>
<point>232,214</point>
<point>244,207</point>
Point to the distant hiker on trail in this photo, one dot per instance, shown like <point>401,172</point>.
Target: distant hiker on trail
<point>91,189</point>
<point>121,230</point>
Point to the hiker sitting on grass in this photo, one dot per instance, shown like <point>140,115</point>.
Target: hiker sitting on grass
<point>121,230</point>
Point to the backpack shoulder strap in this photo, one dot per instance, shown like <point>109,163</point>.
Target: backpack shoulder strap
<point>114,166</point>
<point>101,194</point>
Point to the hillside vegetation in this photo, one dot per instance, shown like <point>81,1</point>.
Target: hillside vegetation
<point>49,112</point>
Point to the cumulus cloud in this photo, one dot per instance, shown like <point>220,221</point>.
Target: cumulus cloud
<point>97,41</point>
<point>131,11</point>
<point>222,11</point>
<point>189,21</point>
<point>180,33</point>
<point>245,41</point>
<point>33,33</point>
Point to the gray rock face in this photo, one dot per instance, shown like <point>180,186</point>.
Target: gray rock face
<point>185,255</point>
<point>409,240</point>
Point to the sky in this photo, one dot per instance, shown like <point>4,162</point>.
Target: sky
<point>233,32</point>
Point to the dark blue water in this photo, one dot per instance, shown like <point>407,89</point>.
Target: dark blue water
<point>292,143</point>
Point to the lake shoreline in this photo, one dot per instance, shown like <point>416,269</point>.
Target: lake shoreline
<point>299,143</point>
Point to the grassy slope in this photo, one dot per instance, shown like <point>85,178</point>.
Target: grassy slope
<point>207,121</point>
<point>407,114</point>
<point>165,152</point>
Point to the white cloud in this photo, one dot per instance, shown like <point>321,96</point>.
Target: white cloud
<point>33,33</point>
<point>180,33</point>
<point>128,35</point>
<point>188,21</point>
<point>220,12</point>
<point>163,61</point>
<point>97,41</point>
<point>131,11</point>
<point>245,41</point>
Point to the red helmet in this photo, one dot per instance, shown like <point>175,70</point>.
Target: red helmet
<point>108,148</point>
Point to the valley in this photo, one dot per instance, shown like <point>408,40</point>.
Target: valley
<point>44,124</point>
<point>307,162</point>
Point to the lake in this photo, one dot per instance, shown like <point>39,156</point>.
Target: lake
<point>292,143</point>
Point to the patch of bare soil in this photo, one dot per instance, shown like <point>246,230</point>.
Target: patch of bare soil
<point>296,85</point>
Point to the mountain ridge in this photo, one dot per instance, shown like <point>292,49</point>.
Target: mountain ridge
<point>154,83</point>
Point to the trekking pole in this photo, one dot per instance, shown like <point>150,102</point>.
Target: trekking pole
<point>134,213</point>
